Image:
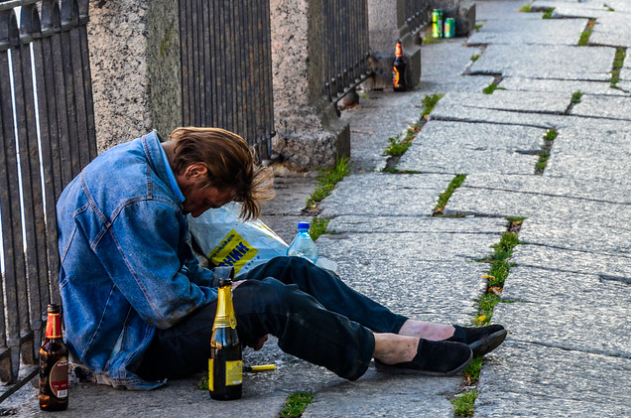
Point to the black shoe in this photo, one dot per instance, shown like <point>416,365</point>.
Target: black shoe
<point>481,340</point>
<point>433,358</point>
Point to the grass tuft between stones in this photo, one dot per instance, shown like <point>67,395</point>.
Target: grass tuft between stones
<point>584,38</point>
<point>618,61</point>
<point>464,404</point>
<point>544,154</point>
<point>547,13</point>
<point>491,88</point>
<point>327,179</point>
<point>318,227</point>
<point>576,97</point>
<point>429,102</point>
<point>296,404</point>
<point>444,197</point>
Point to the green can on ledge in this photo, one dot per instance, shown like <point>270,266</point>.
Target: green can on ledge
<point>437,23</point>
<point>450,27</point>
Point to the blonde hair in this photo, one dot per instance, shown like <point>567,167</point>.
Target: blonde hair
<point>230,165</point>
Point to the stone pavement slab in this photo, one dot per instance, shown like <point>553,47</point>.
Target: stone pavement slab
<point>518,196</point>
<point>592,329</point>
<point>544,286</point>
<point>604,231</point>
<point>599,191</point>
<point>406,396</point>
<point>398,247</point>
<point>573,8</point>
<point>529,29</point>
<point>549,61</point>
<point>450,147</point>
<point>517,101</point>
<point>459,113</point>
<point>397,224</point>
<point>573,261</point>
<point>489,10</point>
<point>444,71</point>
<point>528,380</point>
<point>604,107</point>
<point>385,194</point>
<point>598,153</point>
<point>559,86</point>
<point>369,143</point>
<point>612,29</point>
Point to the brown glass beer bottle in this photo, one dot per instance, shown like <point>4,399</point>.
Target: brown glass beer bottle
<point>53,365</point>
<point>225,366</point>
<point>399,70</point>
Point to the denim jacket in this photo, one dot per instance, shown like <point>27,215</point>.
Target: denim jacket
<point>127,267</point>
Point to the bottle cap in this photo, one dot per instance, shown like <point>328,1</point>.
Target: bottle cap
<point>303,225</point>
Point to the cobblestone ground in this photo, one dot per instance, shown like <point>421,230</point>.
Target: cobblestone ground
<point>565,302</point>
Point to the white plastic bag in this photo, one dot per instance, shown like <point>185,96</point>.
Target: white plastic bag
<point>225,239</point>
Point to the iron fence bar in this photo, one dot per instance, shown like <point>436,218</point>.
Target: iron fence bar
<point>32,198</point>
<point>345,33</point>
<point>226,54</point>
<point>15,273</point>
<point>43,66</point>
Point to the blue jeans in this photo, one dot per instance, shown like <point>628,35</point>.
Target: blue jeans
<point>314,315</point>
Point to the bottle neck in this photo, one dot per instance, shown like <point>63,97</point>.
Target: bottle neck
<point>399,51</point>
<point>53,325</point>
<point>225,316</point>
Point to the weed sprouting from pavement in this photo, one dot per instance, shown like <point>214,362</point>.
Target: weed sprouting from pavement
<point>584,39</point>
<point>576,98</point>
<point>296,404</point>
<point>429,102</point>
<point>327,180</point>
<point>491,88</point>
<point>464,404</point>
<point>444,197</point>
<point>318,227</point>
<point>544,153</point>
<point>618,61</point>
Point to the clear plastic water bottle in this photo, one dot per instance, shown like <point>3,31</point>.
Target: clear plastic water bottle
<point>303,246</point>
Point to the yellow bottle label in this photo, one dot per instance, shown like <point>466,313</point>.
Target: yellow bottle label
<point>211,385</point>
<point>234,373</point>
<point>232,251</point>
<point>395,76</point>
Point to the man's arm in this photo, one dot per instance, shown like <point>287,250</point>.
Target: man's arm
<point>152,269</point>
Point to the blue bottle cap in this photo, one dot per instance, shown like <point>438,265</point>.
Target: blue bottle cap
<point>303,225</point>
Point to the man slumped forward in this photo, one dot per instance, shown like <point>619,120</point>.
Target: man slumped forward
<point>139,308</point>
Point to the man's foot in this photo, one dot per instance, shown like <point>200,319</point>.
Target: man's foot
<point>481,340</point>
<point>433,358</point>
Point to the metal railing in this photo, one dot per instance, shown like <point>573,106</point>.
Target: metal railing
<point>47,137</point>
<point>418,13</point>
<point>227,68</point>
<point>346,47</point>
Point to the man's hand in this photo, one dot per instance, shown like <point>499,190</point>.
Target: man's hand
<point>258,344</point>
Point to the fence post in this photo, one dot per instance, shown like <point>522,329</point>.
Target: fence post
<point>387,23</point>
<point>135,62</point>
<point>309,132</point>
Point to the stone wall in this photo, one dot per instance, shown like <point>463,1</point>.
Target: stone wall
<point>309,133</point>
<point>135,64</point>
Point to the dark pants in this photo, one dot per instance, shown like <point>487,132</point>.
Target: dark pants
<point>314,315</point>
